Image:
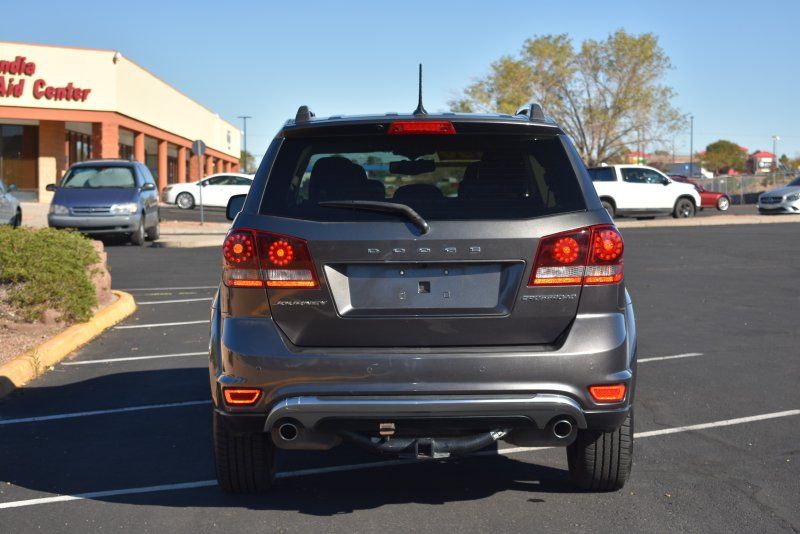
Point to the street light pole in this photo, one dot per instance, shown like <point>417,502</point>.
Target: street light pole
<point>775,139</point>
<point>244,118</point>
<point>691,145</point>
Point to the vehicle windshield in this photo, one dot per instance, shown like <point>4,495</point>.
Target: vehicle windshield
<point>440,177</point>
<point>99,177</point>
<point>796,181</point>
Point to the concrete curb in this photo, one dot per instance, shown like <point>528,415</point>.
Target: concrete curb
<point>33,363</point>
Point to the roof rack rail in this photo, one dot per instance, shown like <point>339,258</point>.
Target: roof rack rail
<point>303,114</point>
<point>533,111</point>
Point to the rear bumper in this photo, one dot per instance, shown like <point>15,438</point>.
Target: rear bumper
<point>315,387</point>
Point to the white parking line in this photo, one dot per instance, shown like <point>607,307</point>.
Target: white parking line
<point>72,415</point>
<point>157,325</point>
<point>166,288</point>
<point>370,465</point>
<point>174,301</point>
<point>134,358</point>
<point>673,357</point>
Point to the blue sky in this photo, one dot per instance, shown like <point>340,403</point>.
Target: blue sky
<point>735,63</point>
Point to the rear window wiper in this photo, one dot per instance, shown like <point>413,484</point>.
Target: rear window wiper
<point>385,207</point>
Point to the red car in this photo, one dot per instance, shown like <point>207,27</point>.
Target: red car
<point>708,199</point>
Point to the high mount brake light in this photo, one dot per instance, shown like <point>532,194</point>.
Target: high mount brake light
<point>260,259</point>
<point>590,256</point>
<point>421,128</point>
<point>608,393</point>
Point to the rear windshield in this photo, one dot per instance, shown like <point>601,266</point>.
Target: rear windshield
<point>602,174</point>
<point>440,177</point>
<point>96,177</point>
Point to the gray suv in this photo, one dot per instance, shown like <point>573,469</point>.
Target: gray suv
<point>422,286</point>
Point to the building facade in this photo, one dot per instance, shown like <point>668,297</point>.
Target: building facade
<point>61,105</point>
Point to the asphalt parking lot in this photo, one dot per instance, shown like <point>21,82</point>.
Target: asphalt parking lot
<point>118,436</point>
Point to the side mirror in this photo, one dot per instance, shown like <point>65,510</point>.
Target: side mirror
<point>666,181</point>
<point>50,187</point>
<point>149,186</point>
<point>235,205</point>
<point>203,183</point>
<point>12,188</point>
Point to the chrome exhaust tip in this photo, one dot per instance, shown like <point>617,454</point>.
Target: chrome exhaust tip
<point>288,431</point>
<point>562,428</point>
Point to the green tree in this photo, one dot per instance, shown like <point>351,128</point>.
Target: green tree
<point>723,156</point>
<point>605,94</point>
<point>246,161</point>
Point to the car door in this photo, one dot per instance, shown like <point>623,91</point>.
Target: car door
<point>640,191</point>
<point>214,191</point>
<point>5,205</point>
<point>149,198</point>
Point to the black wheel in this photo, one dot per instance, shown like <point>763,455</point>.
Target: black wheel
<point>684,208</point>
<point>609,207</point>
<point>245,463</point>
<point>185,201</point>
<point>154,233</point>
<point>138,236</point>
<point>601,461</point>
<point>16,221</point>
<point>723,204</point>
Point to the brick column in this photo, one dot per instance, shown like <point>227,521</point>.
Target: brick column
<point>162,164</point>
<point>194,174</point>
<point>181,164</point>
<point>235,167</point>
<point>52,160</point>
<point>209,165</point>
<point>105,140</point>
<point>138,147</point>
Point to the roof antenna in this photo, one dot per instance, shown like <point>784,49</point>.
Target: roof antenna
<point>420,109</point>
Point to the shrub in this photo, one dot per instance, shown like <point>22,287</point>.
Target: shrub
<point>47,269</point>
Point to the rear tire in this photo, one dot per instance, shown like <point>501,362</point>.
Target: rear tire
<point>723,204</point>
<point>609,207</point>
<point>185,201</point>
<point>138,236</point>
<point>684,208</point>
<point>16,222</point>
<point>245,463</point>
<point>601,461</point>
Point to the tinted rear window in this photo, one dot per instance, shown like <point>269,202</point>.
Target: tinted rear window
<point>602,174</point>
<point>441,177</point>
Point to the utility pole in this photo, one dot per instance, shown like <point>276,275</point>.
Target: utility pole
<point>691,145</point>
<point>244,118</point>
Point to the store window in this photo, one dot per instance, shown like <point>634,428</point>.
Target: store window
<point>79,147</point>
<point>19,148</point>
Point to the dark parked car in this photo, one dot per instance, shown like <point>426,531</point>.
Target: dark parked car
<point>468,289</point>
<point>107,197</point>
<point>708,199</point>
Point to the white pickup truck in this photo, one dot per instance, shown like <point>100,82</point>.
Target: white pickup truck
<point>641,191</point>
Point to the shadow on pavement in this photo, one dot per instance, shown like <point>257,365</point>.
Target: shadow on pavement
<point>173,445</point>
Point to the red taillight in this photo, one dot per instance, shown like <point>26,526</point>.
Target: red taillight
<point>241,396</point>
<point>421,128</point>
<point>608,393</point>
<point>258,259</point>
<point>584,256</point>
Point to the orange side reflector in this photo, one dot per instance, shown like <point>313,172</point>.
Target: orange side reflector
<point>241,396</point>
<point>608,393</point>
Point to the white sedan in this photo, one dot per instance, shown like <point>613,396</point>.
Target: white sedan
<point>217,189</point>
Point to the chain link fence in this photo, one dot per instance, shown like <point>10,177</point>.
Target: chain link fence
<point>745,188</point>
